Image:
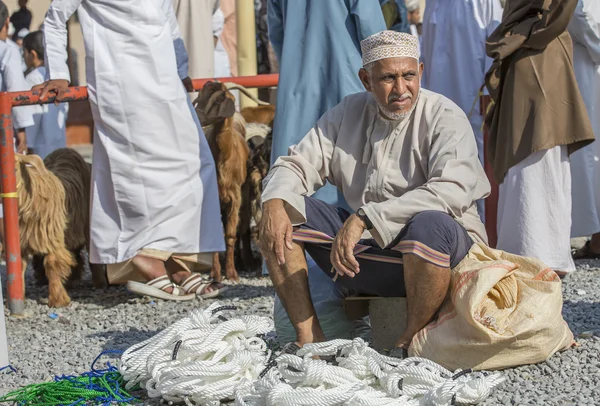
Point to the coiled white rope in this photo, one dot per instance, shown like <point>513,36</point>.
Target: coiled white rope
<point>363,377</point>
<point>200,359</point>
<point>204,358</point>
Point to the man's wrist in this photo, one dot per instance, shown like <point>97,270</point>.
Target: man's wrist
<point>362,216</point>
<point>273,203</point>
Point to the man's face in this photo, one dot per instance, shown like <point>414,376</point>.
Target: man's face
<point>22,3</point>
<point>395,85</point>
<point>414,17</point>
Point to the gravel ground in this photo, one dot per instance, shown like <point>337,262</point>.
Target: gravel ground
<point>97,320</point>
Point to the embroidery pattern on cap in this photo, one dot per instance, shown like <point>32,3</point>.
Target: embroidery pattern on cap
<point>389,44</point>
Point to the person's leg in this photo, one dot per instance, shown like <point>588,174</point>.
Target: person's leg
<point>291,280</point>
<point>426,288</point>
<point>291,284</point>
<point>432,243</point>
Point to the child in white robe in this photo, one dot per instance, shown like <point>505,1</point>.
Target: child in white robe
<point>49,131</point>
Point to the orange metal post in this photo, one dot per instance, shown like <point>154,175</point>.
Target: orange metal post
<point>16,286</point>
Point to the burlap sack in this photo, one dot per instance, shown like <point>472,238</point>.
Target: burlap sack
<point>502,310</point>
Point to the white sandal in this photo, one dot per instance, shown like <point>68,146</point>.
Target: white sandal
<point>158,288</point>
<point>196,284</point>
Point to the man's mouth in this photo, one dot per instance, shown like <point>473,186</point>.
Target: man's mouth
<point>401,102</point>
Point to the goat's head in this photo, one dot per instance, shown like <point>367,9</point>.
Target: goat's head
<point>28,168</point>
<point>214,103</point>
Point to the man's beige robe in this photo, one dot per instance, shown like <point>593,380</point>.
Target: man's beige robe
<point>195,23</point>
<point>393,170</point>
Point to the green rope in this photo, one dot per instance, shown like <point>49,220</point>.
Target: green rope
<point>98,387</point>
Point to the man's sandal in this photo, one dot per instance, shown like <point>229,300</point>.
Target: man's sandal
<point>158,288</point>
<point>195,284</point>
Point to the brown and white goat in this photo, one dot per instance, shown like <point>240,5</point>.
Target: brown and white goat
<point>225,133</point>
<point>53,197</point>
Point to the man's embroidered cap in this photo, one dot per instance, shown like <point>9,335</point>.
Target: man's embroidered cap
<point>389,44</point>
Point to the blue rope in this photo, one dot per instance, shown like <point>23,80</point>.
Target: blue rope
<point>10,367</point>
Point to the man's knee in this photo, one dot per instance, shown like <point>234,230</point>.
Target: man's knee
<point>430,224</point>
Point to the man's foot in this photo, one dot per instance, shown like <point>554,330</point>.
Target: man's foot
<point>152,269</point>
<point>203,288</point>
<point>561,274</point>
<point>397,352</point>
<point>160,288</point>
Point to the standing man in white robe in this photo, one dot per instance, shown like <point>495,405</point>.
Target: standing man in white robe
<point>453,50</point>
<point>585,31</point>
<point>154,204</point>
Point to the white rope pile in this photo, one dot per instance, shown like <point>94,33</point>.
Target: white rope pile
<point>364,377</point>
<point>205,358</point>
<point>200,359</point>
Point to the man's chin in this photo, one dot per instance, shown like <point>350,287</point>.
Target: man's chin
<point>399,112</point>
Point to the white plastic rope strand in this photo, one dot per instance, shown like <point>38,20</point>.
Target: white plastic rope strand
<point>201,359</point>
<point>363,377</point>
<point>205,359</point>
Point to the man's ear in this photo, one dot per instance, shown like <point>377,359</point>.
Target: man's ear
<point>365,78</point>
<point>421,70</point>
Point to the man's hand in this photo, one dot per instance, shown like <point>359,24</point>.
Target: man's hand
<point>58,86</point>
<point>275,230</point>
<point>187,83</point>
<point>342,252</point>
<point>21,141</point>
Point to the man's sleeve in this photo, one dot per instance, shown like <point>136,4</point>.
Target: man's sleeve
<point>455,180</point>
<point>15,82</point>
<point>181,54</point>
<point>585,27</point>
<point>491,16</point>
<point>276,26</point>
<point>55,37</point>
<point>368,17</point>
<point>307,167</point>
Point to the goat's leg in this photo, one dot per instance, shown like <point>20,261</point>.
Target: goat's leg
<point>58,268</point>
<point>77,270</point>
<point>215,272</point>
<point>37,263</point>
<point>99,277</point>
<point>231,226</point>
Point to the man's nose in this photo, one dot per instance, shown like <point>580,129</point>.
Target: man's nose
<point>400,86</point>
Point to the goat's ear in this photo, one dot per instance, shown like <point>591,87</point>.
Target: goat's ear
<point>33,160</point>
<point>226,108</point>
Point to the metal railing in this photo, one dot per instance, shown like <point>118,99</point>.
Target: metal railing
<point>8,100</point>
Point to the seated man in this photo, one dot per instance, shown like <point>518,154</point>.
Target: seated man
<point>406,160</point>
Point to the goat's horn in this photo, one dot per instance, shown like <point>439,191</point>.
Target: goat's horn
<point>235,86</point>
<point>211,100</point>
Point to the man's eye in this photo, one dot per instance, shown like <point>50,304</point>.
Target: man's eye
<point>409,76</point>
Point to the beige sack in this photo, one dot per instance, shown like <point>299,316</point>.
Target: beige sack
<point>502,310</point>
